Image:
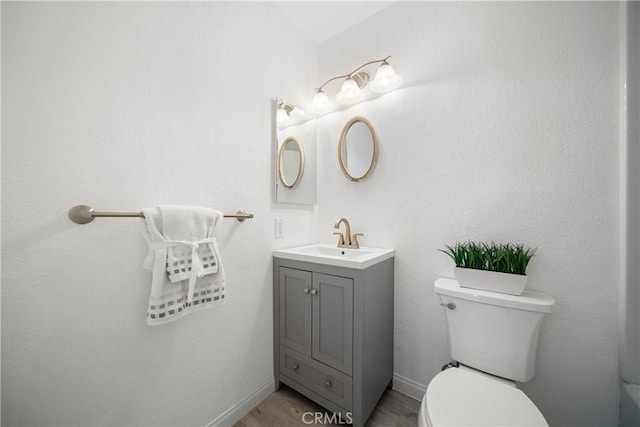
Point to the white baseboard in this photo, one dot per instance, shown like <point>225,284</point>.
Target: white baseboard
<point>409,387</point>
<point>244,406</point>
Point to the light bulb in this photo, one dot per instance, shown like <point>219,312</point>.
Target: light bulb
<point>386,79</point>
<point>350,93</point>
<point>320,103</point>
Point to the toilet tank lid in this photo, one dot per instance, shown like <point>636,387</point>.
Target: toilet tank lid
<point>457,397</point>
<point>529,300</point>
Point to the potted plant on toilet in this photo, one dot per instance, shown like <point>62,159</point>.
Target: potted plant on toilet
<point>494,267</point>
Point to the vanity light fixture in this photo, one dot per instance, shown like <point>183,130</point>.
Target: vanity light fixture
<point>287,113</point>
<point>353,88</point>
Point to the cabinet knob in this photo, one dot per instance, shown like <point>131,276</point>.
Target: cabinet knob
<point>327,383</point>
<point>314,291</point>
<point>306,290</point>
<point>295,366</point>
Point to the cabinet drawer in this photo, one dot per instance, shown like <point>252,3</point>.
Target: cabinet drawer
<point>325,381</point>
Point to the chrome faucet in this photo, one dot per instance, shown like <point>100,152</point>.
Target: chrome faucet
<point>346,240</point>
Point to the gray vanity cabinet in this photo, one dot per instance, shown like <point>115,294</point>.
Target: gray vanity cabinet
<point>333,334</point>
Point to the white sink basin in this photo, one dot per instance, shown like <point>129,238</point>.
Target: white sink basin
<point>330,254</point>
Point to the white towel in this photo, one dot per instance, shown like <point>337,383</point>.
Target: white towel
<point>187,274</point>
<point>192,226</point>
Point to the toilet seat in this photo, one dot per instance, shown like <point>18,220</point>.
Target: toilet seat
<point>461,397</point>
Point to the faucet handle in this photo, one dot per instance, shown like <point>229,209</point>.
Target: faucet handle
<point>354,240</point>
<point>341,239</point>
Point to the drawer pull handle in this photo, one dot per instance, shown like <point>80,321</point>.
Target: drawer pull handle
<point>295,366</point>
<point>306,290</point>
<point>314,291</point>
<point>327,383</point>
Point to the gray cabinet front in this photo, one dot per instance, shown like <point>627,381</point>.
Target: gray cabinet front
<point>332,324</point>
<point>316,316</point>
<point>295,312</point>
<point>333,330</point>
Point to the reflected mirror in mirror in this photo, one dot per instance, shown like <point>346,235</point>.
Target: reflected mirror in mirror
<point>358,149</point>
<point>295,155</point>
<point>290,162</point>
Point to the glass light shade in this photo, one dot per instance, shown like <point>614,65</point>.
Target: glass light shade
<point>320,103</point>
<point>350,93</point>
<point>298,114</point>
<point>386,79</point>
<point>281,116</point>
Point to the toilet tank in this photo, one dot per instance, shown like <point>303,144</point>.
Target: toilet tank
<point>492,332</point>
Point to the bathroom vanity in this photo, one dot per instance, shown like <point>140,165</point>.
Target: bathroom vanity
<point>333,326</point>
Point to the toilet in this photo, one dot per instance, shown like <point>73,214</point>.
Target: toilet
<point>493,340</point>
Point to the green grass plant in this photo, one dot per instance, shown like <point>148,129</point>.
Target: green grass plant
<point>501,257</point>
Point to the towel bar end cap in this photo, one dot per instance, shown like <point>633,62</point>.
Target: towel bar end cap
<point>241,215</point>
<point>81,214</point>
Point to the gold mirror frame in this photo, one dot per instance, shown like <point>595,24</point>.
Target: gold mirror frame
<point>341,147</point>
<point>283,148</point>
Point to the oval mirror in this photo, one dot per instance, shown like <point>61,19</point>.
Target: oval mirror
<point>358,149</point>
<point>290,162</point>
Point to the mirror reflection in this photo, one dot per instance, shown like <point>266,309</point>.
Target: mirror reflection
<point>295,155</point>
<point>358,149</point>
<point>290,162</point>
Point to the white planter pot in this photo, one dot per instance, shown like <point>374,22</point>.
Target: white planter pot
<point>504,283</point>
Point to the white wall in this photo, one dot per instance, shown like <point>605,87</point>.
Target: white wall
<point>124,106</point>
<point>506,129</point>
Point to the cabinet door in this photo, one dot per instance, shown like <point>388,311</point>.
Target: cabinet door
<point>295,310</point>
<point>333,321</point>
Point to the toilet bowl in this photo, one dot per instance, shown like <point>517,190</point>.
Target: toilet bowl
<point>494,338</point>
<point>465,397</point>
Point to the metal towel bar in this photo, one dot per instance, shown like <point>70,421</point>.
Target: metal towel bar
<point>83,214</point>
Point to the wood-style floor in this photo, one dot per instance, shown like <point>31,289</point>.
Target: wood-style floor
<point>285,408</point>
